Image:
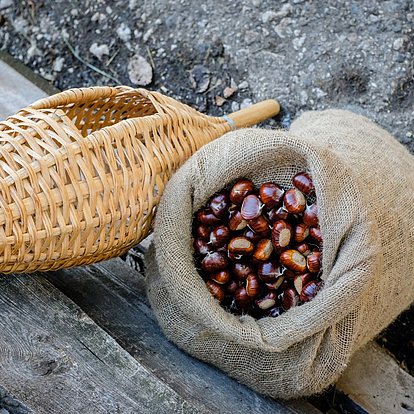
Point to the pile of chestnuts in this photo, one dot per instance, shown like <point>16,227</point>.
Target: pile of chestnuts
<point>259,250</point>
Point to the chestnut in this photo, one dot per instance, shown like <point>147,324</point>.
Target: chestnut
<point>260,226</point>
<point>301,232</point>
<point>207,217</point>
<point>263,250</point>
<point>267,301</point>
<point>281,234</point>
<point>301,280</point>
<point>221,277</point>
<point>309,291</point>
<point>242,299</point>
<point>251,235</point>
<point>310,215</point>
<point>303,181</point>
<point>271,194</point>
<point>231,287</point>
<point>269,271</point>
<point>313,262</point>
<point>240,245</point>
<point>220,236</point>
<point>294,201</point>
<point>216,290</point>
<point>276,284</point>
<point>242,270</point>
<point>201,247</point>
<point>293,260</point>
<point>289,298</point>
<point>214,261</point>
<point>253,285</point>
<point>315,233</point>
<point>240,190</point>
<point>236,221</point>
<point>203,232</point>
<point>219,205</point>
<point>251,207</point>
<point>304,249</point>
<point>278,214</point>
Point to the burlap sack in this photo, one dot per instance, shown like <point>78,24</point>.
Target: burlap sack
<point>364,183</point>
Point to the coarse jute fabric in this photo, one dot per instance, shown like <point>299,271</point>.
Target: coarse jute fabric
<point>364,182</point>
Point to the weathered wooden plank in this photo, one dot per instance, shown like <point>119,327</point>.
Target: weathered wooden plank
<point>375,382</point>
<point>55,359</point>
<point>9,404</point>
<point>113,295</point>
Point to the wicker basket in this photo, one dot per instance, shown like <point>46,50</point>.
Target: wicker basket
<point>82,171</point>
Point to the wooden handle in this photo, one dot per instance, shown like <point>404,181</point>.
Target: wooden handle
<point>255,113</point>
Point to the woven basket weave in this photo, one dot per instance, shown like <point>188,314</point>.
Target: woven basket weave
<point>81,172</point>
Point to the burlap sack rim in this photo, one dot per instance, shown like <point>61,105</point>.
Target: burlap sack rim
<point>209,309</point>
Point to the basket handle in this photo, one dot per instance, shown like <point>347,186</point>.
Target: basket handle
<point>253,114</point>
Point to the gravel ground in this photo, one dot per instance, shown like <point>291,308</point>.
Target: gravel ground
<point>220,56</point>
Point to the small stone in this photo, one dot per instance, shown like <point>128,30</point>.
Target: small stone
<point>99,50</point>
<point>33,51</point>
<point>251,36</point>
<point>139,71</point>
<point>268,16</point>
<point>298,42</point>
<point>200,78</point>
<point>246,103</point>
<point>235,106</point>
<point>243,85</point>
<point>124,32</point>
<point>256,3</point>
<point>148,34</point>
<point>303,96</point>
<point>219,100</point>
<point>5,4</point>
<point>228,92</point>
<point>398,43</point>
<point>58,64</point>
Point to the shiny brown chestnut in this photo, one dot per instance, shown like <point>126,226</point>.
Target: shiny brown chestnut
<point>313,262</point>
<point>214,262</point>
<point>289,298</point>
<point>201,246</point>
<point>278,214</point>
<point>303,249</point>
<point>315,233</point>
<point>220,236</point>
<point>303,181</point>
<point>240,245</point>
<point>293,260</point>
<point>281,234</point>
<point>267,301</point>
<point>310,215</point>
<point>216,290</point>
<point>294,201</point>
<point>207,217</point>
<point>240,190</point>
<point>301,280</point>
<point>260,226</point>
<point>231,287</point>
<point>276,284</point>
<point>269,271</point>
<point>263,250</point>
<point>219,205</point>
<point>301,232</point>
<point>253,285</point>
<point>251,207</point>
<point>242,270</point>
<point>236,221</point>
<point>309,291</point>
<point>242,299</point>
<point>203,232</point>
<point>271,194</point>
<point>221,277</point>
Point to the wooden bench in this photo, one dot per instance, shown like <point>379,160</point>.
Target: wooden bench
<point>84,340</point>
